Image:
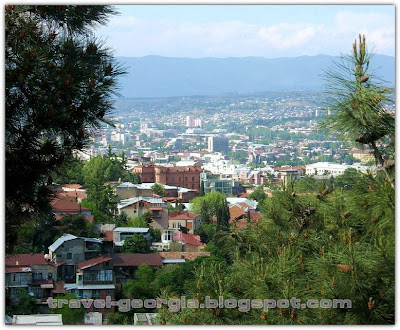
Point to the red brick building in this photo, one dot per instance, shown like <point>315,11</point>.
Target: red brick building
<point>182,176</point>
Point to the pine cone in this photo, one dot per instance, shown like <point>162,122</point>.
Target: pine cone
<point>363,79</point>
<point>344,268</point>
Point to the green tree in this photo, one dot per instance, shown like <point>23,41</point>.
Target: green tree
<point>223,216</point>
<point>359,107</point>
<point>135,244</point>
<point>70,316</point>
<point>59,85</point>
<point>22,303</point>
<point>206,231</point>
<point>258,194</point>
<point>69,172</point>
<point>201,192</point>
<point>340,247</point>
<point>212,201</point>
<point>141,288</point>
<point>75,224</point>
<point>159,189</point>
<point>306,184</point>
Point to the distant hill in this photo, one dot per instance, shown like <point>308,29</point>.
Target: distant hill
<point>157,76</point>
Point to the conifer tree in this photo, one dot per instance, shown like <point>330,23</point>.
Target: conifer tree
<point>59,84</point>
<point>359,106</point>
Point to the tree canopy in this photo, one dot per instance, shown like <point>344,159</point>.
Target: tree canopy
<point>59,85</point>
<point>359,103</point>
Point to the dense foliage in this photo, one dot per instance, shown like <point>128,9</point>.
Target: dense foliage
<point>59,84</point>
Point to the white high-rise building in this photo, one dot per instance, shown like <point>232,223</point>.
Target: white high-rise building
<point>198,122</point>
<point>190,121</point>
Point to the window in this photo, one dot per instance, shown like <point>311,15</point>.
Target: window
<point>167,235</point>
<point>38,292</point>
<point>69,255</point>
<point>37,276</point>
<point>174,225</point>
<point>192,178</point>
<point>186,179</point>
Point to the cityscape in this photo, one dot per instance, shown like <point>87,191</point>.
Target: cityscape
<point>236,207</point>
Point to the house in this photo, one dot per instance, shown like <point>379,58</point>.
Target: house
<point>126,264</point>
<point>68,250</point>
<point>190,243</point>
<point>185,219</point>
<point>121,233</point>
<point>137,206</point>
<point>331,169</point>
<point>364,156</point>
<point>183,176</point>
<point>289,173</point>
<point>94,280</point>
<point>65,205</point>
<point>33,271</point>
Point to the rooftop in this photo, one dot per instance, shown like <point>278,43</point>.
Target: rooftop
<point>69,237</point>
<point>136,259</point>
<point>26,259</point>
<point>92,262</point>
<point>131,230</point>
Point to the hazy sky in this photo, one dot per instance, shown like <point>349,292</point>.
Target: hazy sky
<point>248,30</point>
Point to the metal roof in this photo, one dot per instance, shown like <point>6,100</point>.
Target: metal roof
<point>69,237</point>
<point>173,261</point>
<point>131,230</point>
<point>130,201</point>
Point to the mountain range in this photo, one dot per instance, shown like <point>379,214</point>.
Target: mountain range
<point>157,76</point>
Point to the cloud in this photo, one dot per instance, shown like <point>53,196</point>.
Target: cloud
<point>131,36</point>
<point>379,29</point>
<point>286,35</point>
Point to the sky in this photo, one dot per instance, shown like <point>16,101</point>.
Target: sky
<point>248,30</point>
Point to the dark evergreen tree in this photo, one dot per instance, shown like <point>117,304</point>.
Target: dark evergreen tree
<point>201,192</point>
<point>59,85</point>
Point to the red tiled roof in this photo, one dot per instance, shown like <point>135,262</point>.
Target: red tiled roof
<point>66,204</point>
<point>183,216</point>
<point>187,239</point>
<point>92,262</point>
<point>27,259</point>
<point>88,217</point>
<point>72,194</point>
<point>136,259</point>
<point>289,168</point>
<point>236,212</point>
<point>18,269</point>
<point>183,255</point>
